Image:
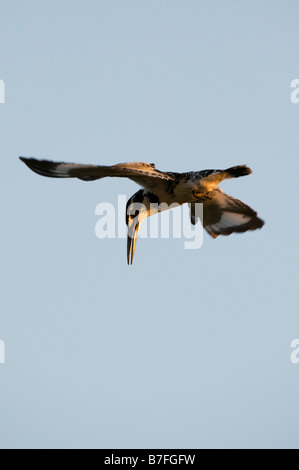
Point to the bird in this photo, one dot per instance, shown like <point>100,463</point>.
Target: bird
<point>222,213</point>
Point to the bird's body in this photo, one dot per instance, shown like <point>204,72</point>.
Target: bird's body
<point>222,214</point>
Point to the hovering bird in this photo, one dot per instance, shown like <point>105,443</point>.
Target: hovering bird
<point>222,214</point>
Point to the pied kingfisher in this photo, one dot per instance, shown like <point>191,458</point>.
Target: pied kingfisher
<point>222,214</point>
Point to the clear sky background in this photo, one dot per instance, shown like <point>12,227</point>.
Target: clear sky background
<point>184,349</point>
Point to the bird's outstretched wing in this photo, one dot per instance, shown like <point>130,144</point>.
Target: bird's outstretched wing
<point>144,174</point>
<point>223,215</point>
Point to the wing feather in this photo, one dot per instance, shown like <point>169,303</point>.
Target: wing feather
<point>224,215</point>
<point>141,173</point>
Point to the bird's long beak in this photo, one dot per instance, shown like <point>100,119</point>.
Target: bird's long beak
<point>133,229</point>
<point>136,212</point>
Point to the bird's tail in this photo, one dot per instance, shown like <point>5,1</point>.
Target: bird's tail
<point>237,171</point>
<point>213,177</point>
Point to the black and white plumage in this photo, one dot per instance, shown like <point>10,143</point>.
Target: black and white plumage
<point>222,214</point>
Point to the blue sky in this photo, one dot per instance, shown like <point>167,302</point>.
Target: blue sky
<point>184,349</point>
